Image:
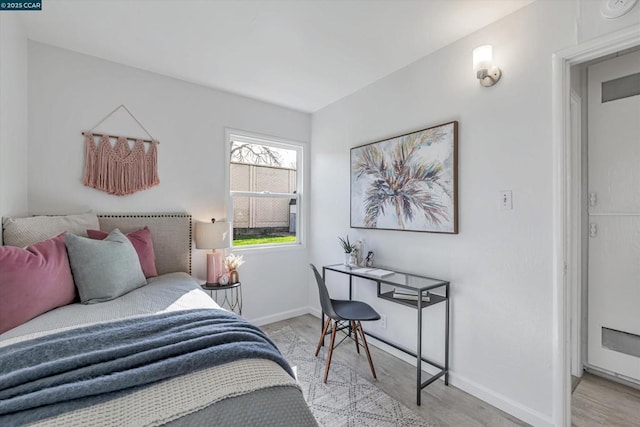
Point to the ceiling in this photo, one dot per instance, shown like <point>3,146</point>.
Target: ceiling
<point>302,54</point>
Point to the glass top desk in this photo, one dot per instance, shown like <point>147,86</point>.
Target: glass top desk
<point>437,291</point>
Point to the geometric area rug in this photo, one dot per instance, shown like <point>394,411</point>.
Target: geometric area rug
<point>347,399</point>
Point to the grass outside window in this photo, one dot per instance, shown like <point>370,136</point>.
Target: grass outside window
<point>262,240</point>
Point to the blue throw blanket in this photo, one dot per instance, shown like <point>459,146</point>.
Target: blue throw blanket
<point>73,369</point>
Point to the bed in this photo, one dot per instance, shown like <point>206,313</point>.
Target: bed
<point>162,353</point>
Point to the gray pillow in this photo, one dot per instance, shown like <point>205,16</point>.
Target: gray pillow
<point>104,269</point>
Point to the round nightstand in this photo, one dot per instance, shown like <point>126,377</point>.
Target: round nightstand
<point>230,298</point>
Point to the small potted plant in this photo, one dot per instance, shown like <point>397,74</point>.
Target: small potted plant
<point>349,251</point>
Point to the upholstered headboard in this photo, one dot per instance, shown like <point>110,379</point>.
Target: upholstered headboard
<point>171,233</point>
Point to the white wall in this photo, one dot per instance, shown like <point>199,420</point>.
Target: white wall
<point>71,92</point>
<point>13,116</point>
<point>500,264</point>
<point>592,24</point>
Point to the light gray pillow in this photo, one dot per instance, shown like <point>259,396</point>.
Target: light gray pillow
<point>104,269</point>
<point>23,232</point>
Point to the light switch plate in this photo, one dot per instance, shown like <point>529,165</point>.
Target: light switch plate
<point>506,200</point>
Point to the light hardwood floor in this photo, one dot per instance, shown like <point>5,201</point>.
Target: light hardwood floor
<point>441,405</point>
<point>600,402</point>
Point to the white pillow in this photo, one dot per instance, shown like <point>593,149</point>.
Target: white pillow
<point>23,232</point>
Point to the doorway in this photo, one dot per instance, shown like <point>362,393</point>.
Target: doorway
<point>613,211</point>
<point>567,187</point>
<point>605,137</point>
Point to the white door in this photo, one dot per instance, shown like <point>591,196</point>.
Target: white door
<point>614,216</point>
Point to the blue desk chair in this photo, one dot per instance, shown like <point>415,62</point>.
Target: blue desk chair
<point>339,311</point>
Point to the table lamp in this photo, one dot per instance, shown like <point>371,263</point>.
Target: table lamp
<point>213,235</point>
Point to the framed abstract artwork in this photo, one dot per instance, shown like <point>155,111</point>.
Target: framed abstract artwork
<point>408,182</point>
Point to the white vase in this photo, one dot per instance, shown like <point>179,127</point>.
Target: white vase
<point>350,259</point>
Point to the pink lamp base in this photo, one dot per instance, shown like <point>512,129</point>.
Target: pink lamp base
<point>214,267</point>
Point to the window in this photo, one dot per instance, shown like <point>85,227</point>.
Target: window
<point>265,178</point>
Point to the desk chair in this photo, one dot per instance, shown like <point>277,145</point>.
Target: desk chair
<point>343,311</point>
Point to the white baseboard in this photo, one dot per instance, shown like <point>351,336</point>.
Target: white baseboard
<point>265,320</point>
<point>498,400</point>
<point>314,312</point>
<point>501,402</point>
<point>613,376</point>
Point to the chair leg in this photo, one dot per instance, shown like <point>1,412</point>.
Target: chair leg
<point>366,349</point>
<point>324,332</point>
<point>333,340</point>
<point>355,335</point>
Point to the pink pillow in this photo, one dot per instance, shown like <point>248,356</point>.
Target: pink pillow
<point>141,241</point>
<point>33,281</point>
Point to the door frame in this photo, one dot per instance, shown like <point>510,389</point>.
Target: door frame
<point>574,275</point>
<point>567,181</point>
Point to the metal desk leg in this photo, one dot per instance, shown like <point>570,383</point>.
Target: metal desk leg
<point>322,317</point>
<point>350,297</point>
<point>446,337</point>
<point>419,356</point>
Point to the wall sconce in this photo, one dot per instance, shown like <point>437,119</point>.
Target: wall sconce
<point>487,73</point>
<point>213,235</point>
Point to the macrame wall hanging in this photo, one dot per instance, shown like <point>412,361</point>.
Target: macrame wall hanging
<point>120,169</point>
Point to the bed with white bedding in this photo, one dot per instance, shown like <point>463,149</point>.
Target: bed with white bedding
<point>161,354</point>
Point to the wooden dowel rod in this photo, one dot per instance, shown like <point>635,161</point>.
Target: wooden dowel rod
<point>111,136</point>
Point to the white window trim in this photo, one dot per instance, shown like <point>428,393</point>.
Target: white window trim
<point>301,149</point>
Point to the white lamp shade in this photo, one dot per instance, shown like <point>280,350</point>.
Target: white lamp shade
<point>482,57</point>
<point>213,235</point>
